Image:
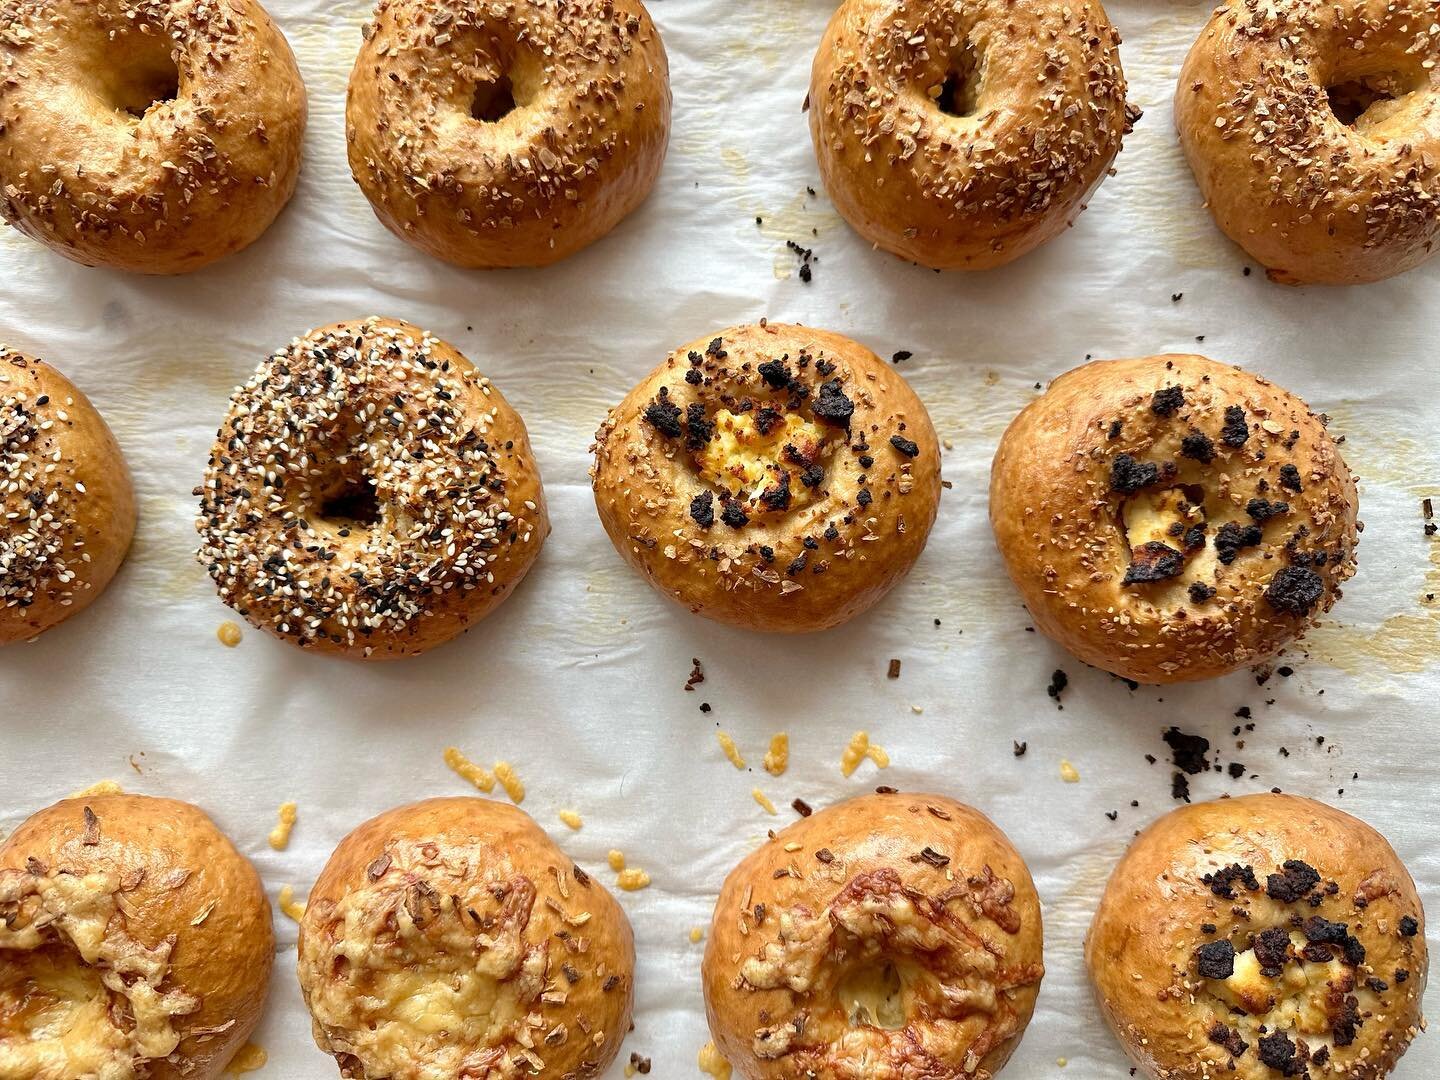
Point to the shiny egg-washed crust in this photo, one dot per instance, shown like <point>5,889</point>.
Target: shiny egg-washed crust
<point>95,171</point>
<point>1297,888</point>
<point>135,943</point>
<point>836,523</point>
<point>1314,199</point>
<point>917,883</point>
<point>459,514</point>
<point>453,938</point>
<point>67,509</point>
<point>1041,118</point>
<point>1236,580</point>
<point>578,152</point>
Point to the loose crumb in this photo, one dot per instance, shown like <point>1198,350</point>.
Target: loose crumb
<point>1069,773</point>
<point>858,750</point>
<point>466,769</point>
<point>616,859</point>
<point>632,879</point>
<point>280,835</point>
<point>293,908</point>
<point>777,760</point>
<point>505,773</point>
<point>571,819</point>
<point>229,634</point>
<point>697,935</point>
<point>250,1058</point>
<point>763,799</point>
<point>731,750</point>
<point>712,1064</point>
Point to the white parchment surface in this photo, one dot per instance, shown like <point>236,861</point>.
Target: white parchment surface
<point>578,680</point>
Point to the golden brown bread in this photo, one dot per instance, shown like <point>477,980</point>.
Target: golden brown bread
<point>135,941</point>
<point>772,477</point>
<point>1171,518</point>
<point>507,134</point>
<point>1257,938</point>
<point>1313,130</point>
<point>893,936</point>
<point>147,135</point>
<point>962,135</point>
<point>370,493</point>
<point>67,510</point>
<point>453,938</point>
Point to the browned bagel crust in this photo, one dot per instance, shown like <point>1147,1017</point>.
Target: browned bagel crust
<point>974,183</point>
<point>920,883</point>
<point>1092,500</point>
<point>1313,896</point>
<point>370,493</point>
<point>94,174</point>
<point>834,506</point>
<point>148,905</point>
<point>580,150</point>
<point>67,510</point>
<point>1314,199</point>
<point>450,904</point>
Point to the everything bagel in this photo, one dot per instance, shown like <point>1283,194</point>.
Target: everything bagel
<point>147,135</point>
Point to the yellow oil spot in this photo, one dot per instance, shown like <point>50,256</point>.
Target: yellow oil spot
<point>250,1058</point>
<point>100,787</point>
<point>616,858</point>
<point>229,634</point>
<point>777,759</point>
<point>1069,773</point>
<point>466,769</point>
<point>731,750</point>
<point>571,819</point>
<point>280,835</point>
<point>293,908</point>
<point>712,1064</point>
<point>505,773</point>
<point>860,748</point>
<point>632,879</point>
<point>697,935</point>
<point>763,799</point>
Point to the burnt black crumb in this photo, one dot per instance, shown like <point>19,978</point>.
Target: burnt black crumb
<point>1195,537</point>
<point>767,553</point>
<point>1114,432</point>
<point>1198,447</point>
<point>832,406</point>
<point>865,498</point>
<point>1223,881</point>
<point>831,533</point>
<point>904,445</point>
<point>1058,682</point>
<point>1261,510</point>
<point>1168,402</point>
<point>1154,561</point>
<point>1295,590</point>
<point>664,415</point>
<point>1180,787</point>
<point>1272,950</point>
<point>733,515</point>
<point>1215,960</point>
<point>777,497</point>
<point>775,373</point>
<point>699,429</point>
<point>1344,1025</point>
<point>1295,881</point>
<point>716,349</point>
<point>767,420</point>
<point>802,808</point>
<point>1236,432</point>
<point>1233,538</point>
<point>694,377</point>
<point>1290,478</point>
<point>811,475</point>
<point>1019,749</point>
<point>702,509</point>
<point>1200,592</point>
<point>1278,1051</point>
<point>1113,815</point>
<point>1409,927</point>
<point>1237,770</point>
<point>901,355</point>
<point>1188,752</point>
<point>1229,1038</point>
<point>805,255</point>
<point>1128,476</point>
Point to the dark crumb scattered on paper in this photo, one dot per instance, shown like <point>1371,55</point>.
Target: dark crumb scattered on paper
<point>697,674</point>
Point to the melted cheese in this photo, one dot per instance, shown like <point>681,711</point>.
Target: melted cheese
<point>1153,516</point>
<point>744,462</point>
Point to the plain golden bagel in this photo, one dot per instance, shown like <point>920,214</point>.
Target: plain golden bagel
<point>369,494</point>
<point>147,135</point>
<point>135,941</point>
<point>511,133</point>
<point>1313,130</point>
<point>771,477</point>
<point>1257,938</point>
<point>960,134</point>
<point>453,938</point>
<point>67,510</point>
<point>891,937</point>
<point>1171,518</point>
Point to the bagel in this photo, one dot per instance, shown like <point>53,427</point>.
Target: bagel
<point>135,941</point>
<point>771,477</point>
<point>1313,130</point>
<point>147,135</point>
<point>511,133</point>
<point>1257,938</point>
<point>893,936</point>
<point>960,134</point>
<point>67,510</point>
<point>1171,518</point>
<point>453,938</point>
<point>370,493</point>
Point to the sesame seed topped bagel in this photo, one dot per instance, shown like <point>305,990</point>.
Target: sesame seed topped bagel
<point>772,477</point>
<point>511,132</point>
<point>1313,130</point>
<point>147,135</point>
<point>67,509</point>
<point>1258,938</point>
<point>891,937</point>
<point>960,134</point>
<point>370,493</point>
<point>1171,518</point>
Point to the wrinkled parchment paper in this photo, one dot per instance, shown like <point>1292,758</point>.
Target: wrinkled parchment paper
<point>579,678</point>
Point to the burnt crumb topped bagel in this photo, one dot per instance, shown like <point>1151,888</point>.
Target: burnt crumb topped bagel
<point>508,133</point>
<point>772,477</point>
<point>369,494</point>
<point>1172,518</point>
<point>452,938</point>
<point>1258,938</point>
<point>960,134</point>
<point>891,937</point>
<point>135,943</point>
<point>1313,129</point>
<point>67,511</point>
<point>147,135</point>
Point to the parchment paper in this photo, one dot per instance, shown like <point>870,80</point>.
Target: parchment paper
<point>579,678</point>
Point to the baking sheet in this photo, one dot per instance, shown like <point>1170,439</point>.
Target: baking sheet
<point>579,679</point>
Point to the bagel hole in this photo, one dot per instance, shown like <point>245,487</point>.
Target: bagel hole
<point>493,101</point>
<point>874,996</point>
<point>960,90</point>
<point>1353,98</point>
<point>353,503</point>
<point>145,74</point>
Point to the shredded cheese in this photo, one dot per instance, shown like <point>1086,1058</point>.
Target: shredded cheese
<point>1069,773</point>
<point>616,859</point>
<point>293,908</point>
<point>632,879</point>
<point>571,819</point>
<point>100,787</point>
<point>763,799</point>
<point>280,835</point>
<point>860,748</point>
<point>250,1058</point>
<point>712,1064</point>
<point>466,769</point>
<point>229,634</point>
<point>731,750</point>
<point>778,757</point>
<point>696,935</point>
<point>505,773</point>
